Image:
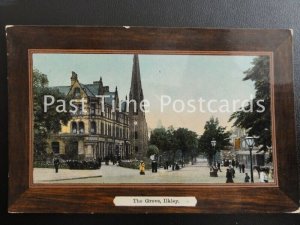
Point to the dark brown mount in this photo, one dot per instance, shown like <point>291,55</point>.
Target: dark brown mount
<point>25,197</point>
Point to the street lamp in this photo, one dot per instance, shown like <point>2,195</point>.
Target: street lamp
<point>213,144</point>
<point>250,143</point>
<point>134,124</point>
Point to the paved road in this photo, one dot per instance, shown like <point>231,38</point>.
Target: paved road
<point>115,174</point>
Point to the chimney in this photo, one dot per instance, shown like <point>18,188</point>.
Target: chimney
<point>73,78</point>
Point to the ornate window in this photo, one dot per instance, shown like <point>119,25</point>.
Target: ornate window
<point>74,127</point>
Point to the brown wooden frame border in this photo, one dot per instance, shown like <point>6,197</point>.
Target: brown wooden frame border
<point>26,197</point>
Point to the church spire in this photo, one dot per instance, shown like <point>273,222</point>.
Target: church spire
<point>137,119</point>
<point>100,88</point>
<point>136,91</point>
<point>116,97</point>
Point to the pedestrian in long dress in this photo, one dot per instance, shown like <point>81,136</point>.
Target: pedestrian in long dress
<point>263,177</point>
<point>142,168</point>
<point>229,176</point>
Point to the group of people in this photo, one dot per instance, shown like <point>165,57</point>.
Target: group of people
<point>154,166</point>
<point>174,166</point>
<point>230,173</point>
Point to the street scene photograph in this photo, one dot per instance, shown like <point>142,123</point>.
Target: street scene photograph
<point>151,118</point>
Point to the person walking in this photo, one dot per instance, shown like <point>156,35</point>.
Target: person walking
<point>229,176</point>
<point>247,178</point>
<point>56,164</point>
<point>219,166</point>
<point>233,163</point>
<point>243,168</point>
<point>232,171</point>
<point>99,162</point>
<point>154,166</point>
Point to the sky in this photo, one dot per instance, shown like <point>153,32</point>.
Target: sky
<point>181,77</point>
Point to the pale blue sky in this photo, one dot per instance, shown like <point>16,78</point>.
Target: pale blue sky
<point>179,76</point>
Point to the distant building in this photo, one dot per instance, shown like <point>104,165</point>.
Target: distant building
<point>102,130</point>
<point>241,151</point>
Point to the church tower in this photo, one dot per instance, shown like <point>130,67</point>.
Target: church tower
<point>137,121</point>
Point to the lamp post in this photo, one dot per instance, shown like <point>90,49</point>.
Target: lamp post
<point>134,124</point>
<point>250,143</point>
<point>213,144</point>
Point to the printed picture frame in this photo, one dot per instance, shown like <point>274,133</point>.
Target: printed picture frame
<point>27,196</point>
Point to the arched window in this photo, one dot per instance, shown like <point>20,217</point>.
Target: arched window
<point>93,127</point>
<point>74,127</point>
<point>81,127</point>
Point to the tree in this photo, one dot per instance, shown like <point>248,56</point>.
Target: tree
<point>170,142</point>
<point>48,122</point>
<point>187,142</point>
<point>213,131</point>
<point>256,121</point>
<point>152,150</point>
<point>159,138</point>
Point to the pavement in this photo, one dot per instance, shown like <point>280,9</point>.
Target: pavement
<point>113,174</point>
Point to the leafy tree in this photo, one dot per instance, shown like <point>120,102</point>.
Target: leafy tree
<point>187,142</point>
<point>170,141</point>
<point>152,150</point>
<point>256,121</point>
<point>159,138</point>
<point>48,122</point>
<point>213,131</point>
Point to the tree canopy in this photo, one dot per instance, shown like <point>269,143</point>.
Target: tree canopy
<point>213,131</point>
<point>152,150</point>
<point>45,122</point>
<point>255,121</point>
<point>171,141</point>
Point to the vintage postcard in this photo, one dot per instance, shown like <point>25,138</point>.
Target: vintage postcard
<point>151,120</point>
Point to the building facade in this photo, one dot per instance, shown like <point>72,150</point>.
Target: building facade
<point>102,127</point>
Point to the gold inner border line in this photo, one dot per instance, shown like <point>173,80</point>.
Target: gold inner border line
<point>151,52</point>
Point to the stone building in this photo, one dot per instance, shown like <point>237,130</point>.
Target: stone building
<point>101,130</point>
